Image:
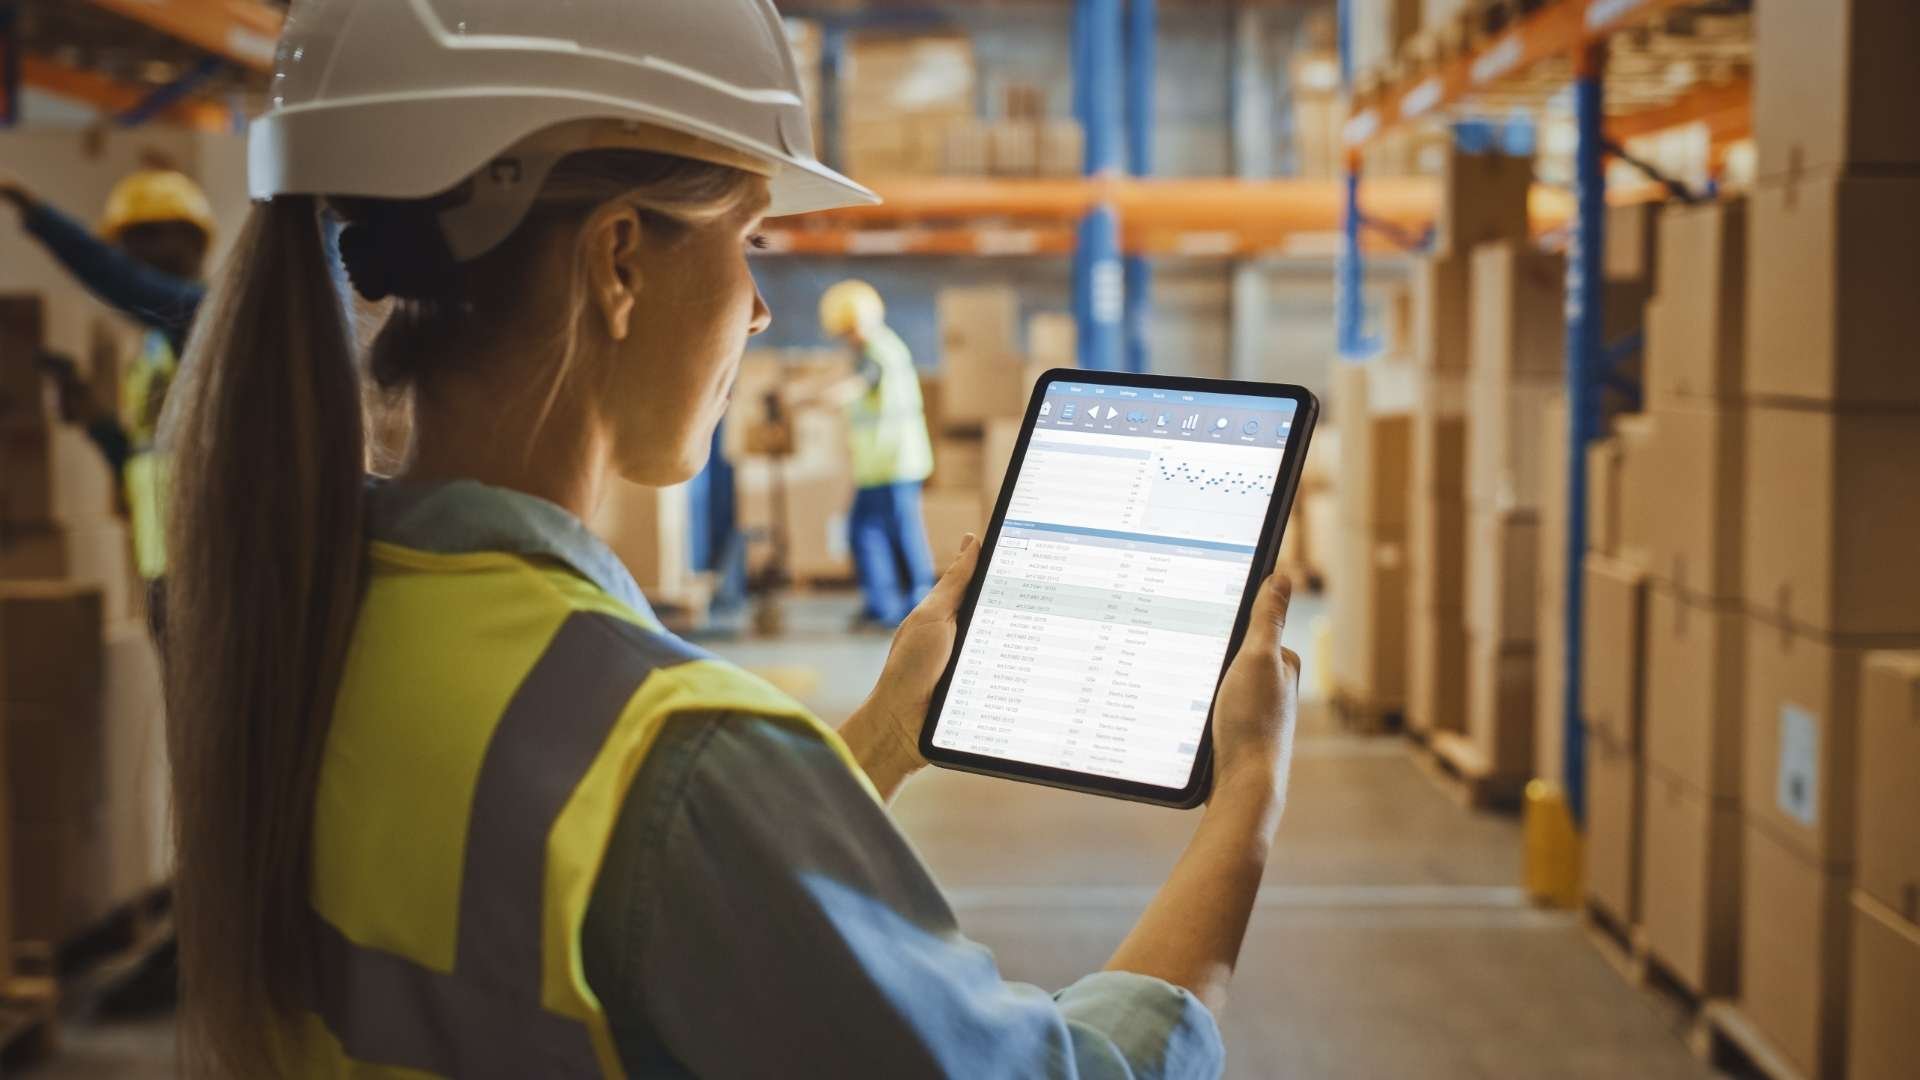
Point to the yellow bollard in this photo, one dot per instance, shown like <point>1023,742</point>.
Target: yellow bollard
<point>1553,847</point>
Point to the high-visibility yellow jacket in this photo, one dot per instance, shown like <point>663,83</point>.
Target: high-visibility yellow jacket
<point>143,393</point>
<point>494,709</point>
<point>889,421</point>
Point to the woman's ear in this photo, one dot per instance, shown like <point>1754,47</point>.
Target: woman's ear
<point>613,247</point>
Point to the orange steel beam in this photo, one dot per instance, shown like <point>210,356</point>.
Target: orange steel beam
<point>1562,29</point>
<point>1726,109</point>
<point>244,31</point>
<point>113,96</point>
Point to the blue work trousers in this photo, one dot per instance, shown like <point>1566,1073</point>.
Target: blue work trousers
<point>890,553</point>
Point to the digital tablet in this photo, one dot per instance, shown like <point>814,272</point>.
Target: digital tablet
<point>1138,518</point>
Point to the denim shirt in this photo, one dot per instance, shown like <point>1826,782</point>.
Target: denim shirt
<point>759,914</point>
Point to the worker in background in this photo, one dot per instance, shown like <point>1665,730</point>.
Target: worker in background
<point>892,456</point>
<point>448,799</point>
<point>147,261</point>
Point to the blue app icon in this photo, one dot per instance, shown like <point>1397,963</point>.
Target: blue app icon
<point>1067,411</point>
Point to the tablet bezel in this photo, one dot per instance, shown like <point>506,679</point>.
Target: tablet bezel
<point>1199,782</point>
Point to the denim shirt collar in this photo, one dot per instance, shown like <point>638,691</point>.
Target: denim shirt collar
<point>461,517</point>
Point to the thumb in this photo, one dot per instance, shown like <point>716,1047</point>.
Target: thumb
<point>1269,616</point>
<point>944,601</point>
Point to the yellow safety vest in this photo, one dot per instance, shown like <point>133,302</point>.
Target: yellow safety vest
<point>143,393</point>
<point>889,422</point>
<point>493,712</point>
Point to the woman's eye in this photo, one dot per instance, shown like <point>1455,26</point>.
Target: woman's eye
<point>759,242</point>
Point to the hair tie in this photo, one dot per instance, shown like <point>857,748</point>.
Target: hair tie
<point>397,249</point>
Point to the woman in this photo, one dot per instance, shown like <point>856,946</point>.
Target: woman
<point>450,802</point>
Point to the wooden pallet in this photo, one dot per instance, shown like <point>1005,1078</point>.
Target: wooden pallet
<point>1361,716</point>
<point>1455,766</point>
<point>1731,1045</point>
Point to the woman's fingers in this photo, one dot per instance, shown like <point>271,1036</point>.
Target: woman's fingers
<point>944,601</point>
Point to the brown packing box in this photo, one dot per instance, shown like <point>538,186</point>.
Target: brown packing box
<point>1613,661</point>
<point>1603,496</point>
<point>1063,148</point>
<point>22,391</point>
<point>1436,668</point>
<point>1500,702</point>
<point>1370,619</point>
<point>1793,953</point>
<point>1437,554</point>
<point>1506,466</point>
<point>949,517</point>
<point>1550,687</point>
<point>1889,841</point>
<point>1640,488</point>
<point>1696,690</point>
<point>1829,73</point>
<point>140,851</point>
<point>6,869</point>
<point>1612,847</point>
<point>55,756</point>
<point>1441,312</point>
<point>980,360</point>
<point>1835,268</point>
<point>49,641</point>
<point>1502,576</point>
<point>1883,1042</point>
<point>1001,438</point>
<point>1014,146</point>
<point>1483,200</point>
<point>959,463</point>
<point>1697,540</point>
<point>1632,242</point>
<point>1801,740</point>
<point>1519,324</point>
<point>1690,883</point>
<point>1439,455</point>
<point>818,495</point>
<point>98,555</point>
<point>1833,519</point>
<point>53,475</point>
<point>1053,340</point>
<point>1696,342</point>
<point>647,528</point>
<point>1375,457</point>
<point>60,877</point>
<point>1327,536</point>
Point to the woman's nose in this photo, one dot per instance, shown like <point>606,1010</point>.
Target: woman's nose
<point>762,315</point>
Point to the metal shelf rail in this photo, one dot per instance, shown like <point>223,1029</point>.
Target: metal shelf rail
<point>1576,33</point>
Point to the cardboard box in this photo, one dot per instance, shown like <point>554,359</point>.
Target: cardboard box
<point>1835,268</point>
<point>1690,883</point>
<point>1436,671</point>
<point>1507,466</point>
<point>1483,200</point>
<point>949,517</point>
<point>1328,534</point>
<point>1889,842</point>
<point>1438,467</point>
<point>1437,554</point>
<point>1613,662</point>
<point>1053,340</point>
<point>647,527</point>
<point>1500,700</point>
<point>1801,742</point>
<point>99,556</point>
<point>1441,312</point>
<point>135,809</point>
<point>49,641</point>
<point>1519,323</point>
<point>22,389</point>
<point>55,758</point>
<point>969,149</point>
<point>1696,341</point>
<point>1612,847</point>
<point>1370,620</point>
<point>1633,231</point>
<point>1063,149</point>
<point>1793,953</point>
<point>979,358</point>
<point>1696,690</point>
<point>53,476</point>
<point>1015,148</point>
<point>1640,488</point>
<point>1697,540</point>
<point>60,878</point>
<point>1550,684</point>
<point>1376,459</point>
<point>959,463</point>
<point>816,497</point>
<point>1825,75</point>
<point>1503,552</point>
<point>1604,496</point>
<point>1831,521</point>
<point>1882,1040</point>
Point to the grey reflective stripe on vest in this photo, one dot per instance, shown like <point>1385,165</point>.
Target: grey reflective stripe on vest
<point>484,1018</point>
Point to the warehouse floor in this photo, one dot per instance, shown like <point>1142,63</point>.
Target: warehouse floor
<point>1390,939</point>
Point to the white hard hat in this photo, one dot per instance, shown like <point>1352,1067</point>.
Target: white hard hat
<point>405,99</point>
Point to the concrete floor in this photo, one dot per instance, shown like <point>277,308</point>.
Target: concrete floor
<point>1390,939</point>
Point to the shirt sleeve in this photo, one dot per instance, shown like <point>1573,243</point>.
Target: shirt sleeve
<point>151,297</point>
<point>760,909</point>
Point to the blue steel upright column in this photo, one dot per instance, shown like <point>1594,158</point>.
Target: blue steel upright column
<point>1350,273</point>
<point>1099,287</point>
<point>1586,356</point>
<point>1142,25</point>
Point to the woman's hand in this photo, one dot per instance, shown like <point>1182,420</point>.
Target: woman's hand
<point>884,733</point>
<point>1253,717</point>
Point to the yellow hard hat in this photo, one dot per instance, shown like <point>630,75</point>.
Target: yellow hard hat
<point>152,196</point>
<point>849,306</point>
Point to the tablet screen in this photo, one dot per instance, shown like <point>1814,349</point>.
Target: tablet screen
<point>1106,609</point>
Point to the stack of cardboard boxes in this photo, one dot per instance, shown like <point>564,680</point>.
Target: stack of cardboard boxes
<point>1882,1042</point>
<point>901,95</point>
<point>797,500</point>
<point>1369,658</point>
<point>1831,521</point>
<point>1484,200</point>
<point>80,702</point>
